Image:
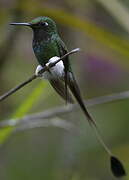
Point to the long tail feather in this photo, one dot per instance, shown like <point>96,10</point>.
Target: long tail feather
<point>116,166</point>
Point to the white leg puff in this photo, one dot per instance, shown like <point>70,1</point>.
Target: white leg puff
<point>56,71</point>
<point>39,68</point>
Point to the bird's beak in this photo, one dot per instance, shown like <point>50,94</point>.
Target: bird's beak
<point>21,24</point>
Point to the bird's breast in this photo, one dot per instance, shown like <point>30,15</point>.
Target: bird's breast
<point>44,51</point>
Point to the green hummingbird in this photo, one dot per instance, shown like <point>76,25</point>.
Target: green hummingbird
<point>48,47</point>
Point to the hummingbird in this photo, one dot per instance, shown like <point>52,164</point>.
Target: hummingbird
<point>49,47</point>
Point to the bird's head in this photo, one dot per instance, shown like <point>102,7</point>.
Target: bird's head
<point>42,23</point>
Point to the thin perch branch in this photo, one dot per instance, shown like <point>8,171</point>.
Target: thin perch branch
<point>13,90</point>
<point>45,68</point>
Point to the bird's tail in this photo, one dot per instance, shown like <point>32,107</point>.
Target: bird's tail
<point>116,166</point>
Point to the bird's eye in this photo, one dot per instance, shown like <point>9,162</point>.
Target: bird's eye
<point>44,24</point>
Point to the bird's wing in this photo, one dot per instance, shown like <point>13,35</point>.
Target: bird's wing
<point>71,82</point>
<point>59,86</point>
<point>62,51</point>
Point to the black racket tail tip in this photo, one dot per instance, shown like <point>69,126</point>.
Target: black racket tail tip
<point>117,167</point>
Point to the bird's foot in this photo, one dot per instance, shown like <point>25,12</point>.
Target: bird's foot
<point>38,69</point>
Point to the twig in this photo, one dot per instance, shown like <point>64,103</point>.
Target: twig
<point>42,115</point>
<point>45,68</point>
<point>63,110</point>
<point>55,122</point>
<point>13,90</point>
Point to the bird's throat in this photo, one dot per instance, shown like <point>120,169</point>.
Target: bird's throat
<point>39,35</point>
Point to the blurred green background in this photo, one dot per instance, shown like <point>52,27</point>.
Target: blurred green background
<point>101,29</point>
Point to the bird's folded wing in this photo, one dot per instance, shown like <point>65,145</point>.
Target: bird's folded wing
<point>59,86</point>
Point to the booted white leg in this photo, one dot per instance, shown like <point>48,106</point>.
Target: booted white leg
<point>56,71</point>
<point>39,68</point>
<point>45,75</point>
